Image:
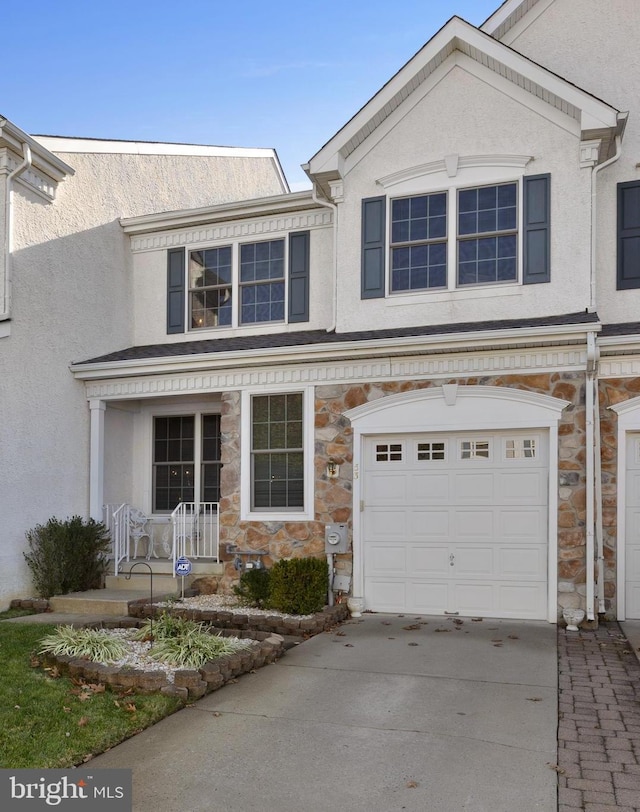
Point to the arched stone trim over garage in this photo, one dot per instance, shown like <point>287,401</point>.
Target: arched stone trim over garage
<point>455,408</point>
<point>628,413</point>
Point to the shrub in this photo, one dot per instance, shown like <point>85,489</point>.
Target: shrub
<point>299,586</point>
<point>94,644</point>
<point>186,643</point>
<point>253,589</point>
<point>69,556</point>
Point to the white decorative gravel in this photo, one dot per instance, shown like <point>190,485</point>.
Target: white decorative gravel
<point>223,603</point>
<point>139,654</point>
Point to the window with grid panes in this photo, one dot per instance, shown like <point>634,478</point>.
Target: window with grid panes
<point>277,457</point>
<point>182,468</point>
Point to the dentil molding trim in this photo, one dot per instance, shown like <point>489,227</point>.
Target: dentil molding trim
<point>232,230</point>
<point>517,362</point>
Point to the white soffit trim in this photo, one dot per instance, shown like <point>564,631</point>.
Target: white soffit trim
<point>277,204</point>
<point>332,351</point>
<point>458,35</point>
<point>98,146</point>
<point>510,14</point>
<point>42,159</point>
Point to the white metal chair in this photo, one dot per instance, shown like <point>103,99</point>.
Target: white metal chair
<point>138,529</point>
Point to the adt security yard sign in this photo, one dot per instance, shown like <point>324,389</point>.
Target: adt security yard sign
<point>183,566</point>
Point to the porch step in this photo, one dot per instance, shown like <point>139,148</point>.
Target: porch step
<point>141,583</point>
<point>106,602</point>
<point>163,580</point>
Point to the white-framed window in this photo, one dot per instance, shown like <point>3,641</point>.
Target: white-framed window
<point>475,449</point>
<point>431,450</point>
<point>520,448</point>
<point>389,452</point>
<point>237,284</point>
<point>472,230</point>
<point>186,459</point>
<point>277,455</point>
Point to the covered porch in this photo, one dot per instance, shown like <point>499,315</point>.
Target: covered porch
<point>155,472</point>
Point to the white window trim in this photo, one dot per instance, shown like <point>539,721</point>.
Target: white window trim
<point>307,514</point>
<point>449,175</point>
<point>236,287</point>
<point>144,460</point>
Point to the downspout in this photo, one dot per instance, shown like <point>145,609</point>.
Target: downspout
<point>590,420</point>
<point>324,202</point>
<point>597,459</point>
<point>8,237</point>
<point>594,219</point>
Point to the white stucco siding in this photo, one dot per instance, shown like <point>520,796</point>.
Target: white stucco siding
<point>464,115</point>
<point>595,45</point>
<point>73,299</point>
<point>150,279</point>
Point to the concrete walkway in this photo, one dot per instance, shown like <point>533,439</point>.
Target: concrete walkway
<point>386,713</point>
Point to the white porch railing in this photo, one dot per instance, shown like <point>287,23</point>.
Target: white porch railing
<point>196,532</point>
<point>117,521</point>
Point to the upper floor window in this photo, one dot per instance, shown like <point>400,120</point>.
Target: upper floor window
<point>244,283</point>
<point>447,240</point>
<point>486,238</point>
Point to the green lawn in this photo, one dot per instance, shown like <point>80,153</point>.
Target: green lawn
<point>51,721</point>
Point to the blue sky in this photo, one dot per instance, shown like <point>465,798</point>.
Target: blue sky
<point>285,74</point>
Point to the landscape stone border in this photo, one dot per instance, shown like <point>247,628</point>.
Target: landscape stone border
<point>188,684</point>
<point>241,622</point>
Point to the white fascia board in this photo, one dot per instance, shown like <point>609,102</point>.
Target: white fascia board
<point>333,351</point>
<point>277,204</point>
<point>502,14</point>
<point>98,146</point>
<point>619,343</point>
<point>41,157</point>
<point>595,113</point>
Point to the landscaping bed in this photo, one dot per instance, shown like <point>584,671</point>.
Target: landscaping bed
<point>186,683</point>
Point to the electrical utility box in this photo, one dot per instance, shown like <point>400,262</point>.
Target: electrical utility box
<point>336,538</point>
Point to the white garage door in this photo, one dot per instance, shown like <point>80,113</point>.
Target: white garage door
<point>632,528</point>
<point>457,523</point>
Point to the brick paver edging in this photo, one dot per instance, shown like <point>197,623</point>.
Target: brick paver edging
<point>598,721</point>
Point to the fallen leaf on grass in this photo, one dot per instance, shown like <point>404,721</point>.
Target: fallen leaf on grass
<point>83,721</point>
<point>66,709</point>
<point>130,707</point>
<point>34,662</point>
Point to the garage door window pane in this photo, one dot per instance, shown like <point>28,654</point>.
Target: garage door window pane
<point>431,451</point>
<point>521,449</point>
<point>474,450</point>
<point>389,452</point>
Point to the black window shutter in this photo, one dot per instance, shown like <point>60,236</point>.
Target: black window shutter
<point>628,247</point>
<point>175,290</point>
<point>373,247</point>
<point>299,276</point>
<point>536,239</point>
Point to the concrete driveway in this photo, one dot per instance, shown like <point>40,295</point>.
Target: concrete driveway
<point>386,713</point>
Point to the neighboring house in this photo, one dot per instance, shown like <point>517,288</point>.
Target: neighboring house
<point>438,346</point>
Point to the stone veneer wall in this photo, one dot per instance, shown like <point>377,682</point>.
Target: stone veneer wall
<point>333,498</point>
<point>611,392</point>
